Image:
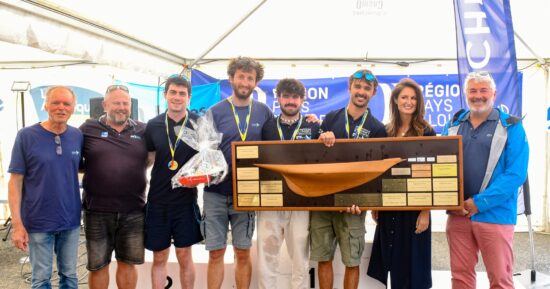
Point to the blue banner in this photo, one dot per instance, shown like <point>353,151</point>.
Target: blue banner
<point>485,41</point>
<point>441,94</point>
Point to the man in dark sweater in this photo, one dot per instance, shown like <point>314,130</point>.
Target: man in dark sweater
<point>114,162</point>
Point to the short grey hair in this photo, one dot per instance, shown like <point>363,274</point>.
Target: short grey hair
<point>479,76</point>
<point>52,88</point>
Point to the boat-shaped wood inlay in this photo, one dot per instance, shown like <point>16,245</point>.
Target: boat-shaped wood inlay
<point>316,180</point>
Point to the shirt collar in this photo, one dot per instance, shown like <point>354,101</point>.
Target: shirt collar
<point>494,115</point>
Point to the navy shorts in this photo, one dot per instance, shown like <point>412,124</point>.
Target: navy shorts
<point>166,223</point>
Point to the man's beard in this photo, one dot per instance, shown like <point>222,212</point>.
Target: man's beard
<point>242,96</point>
<point>288,113</point>
<point>118,120</point>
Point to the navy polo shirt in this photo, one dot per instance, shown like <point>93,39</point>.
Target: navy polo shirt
<point>160,185</point>
<point>335,121</point>
<point>476,143</point>
<point>115,165</point>
<point>306,131</point>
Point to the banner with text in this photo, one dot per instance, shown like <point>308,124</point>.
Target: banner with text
<point>441,94</point>
<point>485,42</point>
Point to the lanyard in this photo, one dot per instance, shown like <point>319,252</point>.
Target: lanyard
<point>238,121</point>
<point>178,138</point>
<point>281,135</point>
<point>358,128</point>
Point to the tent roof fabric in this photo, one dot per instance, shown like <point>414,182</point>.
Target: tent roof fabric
<point>173,32</point>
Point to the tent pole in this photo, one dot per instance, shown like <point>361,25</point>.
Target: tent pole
<point>539,59</point>
<point>226,34</point>
<point>544,65</point>
<point>545,221</point>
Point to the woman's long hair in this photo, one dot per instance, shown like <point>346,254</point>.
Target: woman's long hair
<point>418,123</point>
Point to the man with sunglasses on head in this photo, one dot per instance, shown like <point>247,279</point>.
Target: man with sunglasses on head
<point>495,166</point>
<point>172,213</point>
<point>43,191</point>
<point>348,230</point>
<point>114,164</point>
<point>292,227</point>
<point>238,118</point>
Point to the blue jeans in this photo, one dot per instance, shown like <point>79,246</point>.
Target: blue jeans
<point>41,249</point>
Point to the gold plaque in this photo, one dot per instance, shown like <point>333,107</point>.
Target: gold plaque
<point>394,185</point>
<point>419,199</point>
<point>394,200</point>
<point>272,200</point>
<point>248,187</point>
<point>446,159</point>
<point>271,187</point>
<point>421,174</point>
<point>400,171</point>
<point>421,167</point>
<point>446,199</point>
<point>247,152</point>
<point>444,170</point>
<point>248,200</point>
<point>362,200</point>
<point>252,173</point>
<point>445,184</point>
<point>419,185</point>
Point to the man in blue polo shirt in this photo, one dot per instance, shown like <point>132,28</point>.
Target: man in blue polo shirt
<point>348,230</point>
<point>115,164</point>
<point>43,191</point>
<point>495,166</point>
<point>238,118</point>
<point>172,214</point>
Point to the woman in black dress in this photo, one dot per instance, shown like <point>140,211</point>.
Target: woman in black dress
<point>402,241</point>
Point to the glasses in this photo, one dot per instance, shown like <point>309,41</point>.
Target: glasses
<point>117,86</point>
<point>364,73</point>
<point>58,149</point>
<point>480,73</point>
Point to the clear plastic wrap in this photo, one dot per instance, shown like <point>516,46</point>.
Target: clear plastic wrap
<point>208,165</point>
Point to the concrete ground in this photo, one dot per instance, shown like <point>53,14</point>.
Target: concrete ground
<point>14,273</point>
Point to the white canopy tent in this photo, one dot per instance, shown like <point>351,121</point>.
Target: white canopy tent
<point>177,32</point>
<point>303,39</point>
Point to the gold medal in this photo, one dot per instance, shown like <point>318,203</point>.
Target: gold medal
<point>172,165</point>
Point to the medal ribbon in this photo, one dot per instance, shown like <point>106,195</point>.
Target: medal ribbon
<point>357,129</point>
<point>238,121</point>
<point>281,135</point>
<point>178,138</point>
